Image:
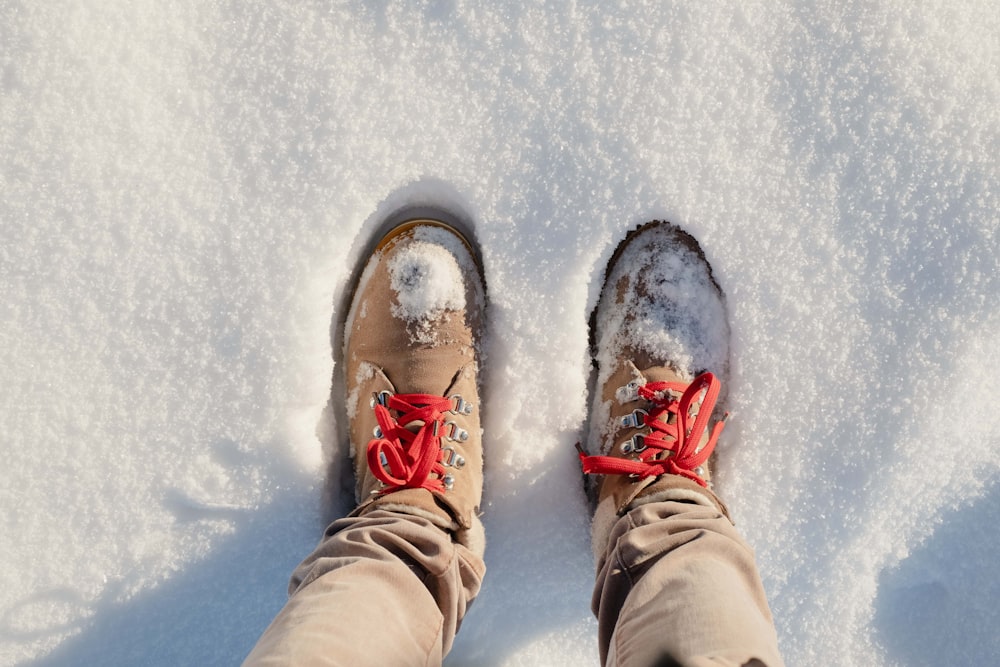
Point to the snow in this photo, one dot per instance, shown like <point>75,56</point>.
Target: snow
<point>185,191</point>
<point>428,281</point>
<point>669,308</point>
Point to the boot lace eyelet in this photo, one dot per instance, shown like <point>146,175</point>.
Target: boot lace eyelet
<point>674,430</point>
<point>460,405</point>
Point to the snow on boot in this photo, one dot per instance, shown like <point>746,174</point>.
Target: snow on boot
<point>660,343</point>
<point>411,365</point>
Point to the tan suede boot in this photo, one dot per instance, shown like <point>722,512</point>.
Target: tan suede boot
<point>411,365</point>
<point>660,341</point>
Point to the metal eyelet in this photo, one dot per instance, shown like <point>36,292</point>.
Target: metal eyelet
<point>634,445</point>
<point>451,458</point>
<point>377,431</point>
<point>380,398</point>
<point>637,419</point>
<point>455,433</point>
<point>449,482</point>
<point>628,393</point>
<point>460,406</point>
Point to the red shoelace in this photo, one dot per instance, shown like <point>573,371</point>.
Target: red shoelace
<point>402,459</point>
<point>681,438</point>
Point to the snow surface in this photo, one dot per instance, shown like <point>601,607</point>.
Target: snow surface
<point>185,189</point>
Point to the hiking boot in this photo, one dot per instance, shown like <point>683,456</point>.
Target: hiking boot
<point>659,337</point>
<point>411,366</point>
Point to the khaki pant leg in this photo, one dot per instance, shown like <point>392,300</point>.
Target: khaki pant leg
<point>679,586</point>
<point>380,589</point>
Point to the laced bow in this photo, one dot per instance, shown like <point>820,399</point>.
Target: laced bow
<point>680,438</point>
<point>401,458</point>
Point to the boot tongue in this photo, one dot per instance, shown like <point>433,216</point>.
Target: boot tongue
<point>431,372</point>
<point>663,374</point>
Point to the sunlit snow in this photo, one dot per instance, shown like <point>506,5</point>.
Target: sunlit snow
<point>186,188</point>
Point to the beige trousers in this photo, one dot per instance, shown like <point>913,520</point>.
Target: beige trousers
<point>677,586</point>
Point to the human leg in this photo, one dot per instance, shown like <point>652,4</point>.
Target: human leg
<point>385,588</point>
<point>390,583</point>
<point>678,585</point>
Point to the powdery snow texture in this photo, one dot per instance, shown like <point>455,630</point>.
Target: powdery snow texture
<point>427,281</point>
<point>674,309</point>
<point>186,189</point>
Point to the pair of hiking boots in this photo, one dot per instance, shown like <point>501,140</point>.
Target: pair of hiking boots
<point>411,353</point>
